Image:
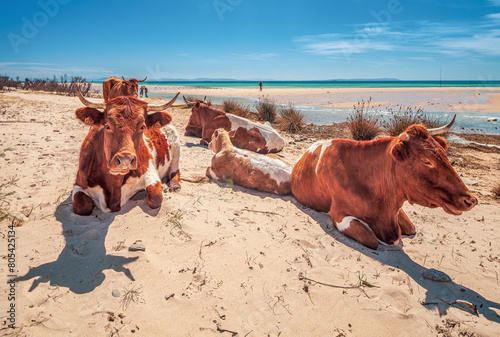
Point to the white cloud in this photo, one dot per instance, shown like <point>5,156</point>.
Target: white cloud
<point>486,44</point>
<point>416,38</point>
<point>495,16</point>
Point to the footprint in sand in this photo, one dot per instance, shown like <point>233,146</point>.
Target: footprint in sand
<point>196,284</point>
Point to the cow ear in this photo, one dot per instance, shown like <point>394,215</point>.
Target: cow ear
<point>89,116</point>
<point>442,142</point>
<point>162,118</point>
<point>197,105</point>
<point>399,152</point>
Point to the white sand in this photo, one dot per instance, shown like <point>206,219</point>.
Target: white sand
<point>231,257</point>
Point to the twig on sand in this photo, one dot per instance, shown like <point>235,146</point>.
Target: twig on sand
<point>221,330</point>
<point>471,306</point>
<point>195,179</point>
<point>264,212</point>
<point>361,283</point>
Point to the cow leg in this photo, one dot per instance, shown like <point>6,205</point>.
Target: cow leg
<point>82,204</point>
<point>355,229</point>
<point>174,184</point>
<point>154,195</point>
<point>407,227</point>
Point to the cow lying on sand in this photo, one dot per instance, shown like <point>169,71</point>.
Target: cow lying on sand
<point>124,152</point>
<point>114,87</point>
<point>245,134</point>
<point>247,169</point>
<point>364,184</point>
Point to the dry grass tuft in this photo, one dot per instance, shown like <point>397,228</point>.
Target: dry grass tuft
<point>232,106</point>
<point>291,119</point>
<point>266,109</point>
<point>4,203</point>
<point>364,125</point>
<point>405,117</point>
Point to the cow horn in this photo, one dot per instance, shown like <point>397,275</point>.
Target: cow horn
<point>87,102</point>
<point>144,80</point>
<point>162,107</point>
<point>442,129</point>
<point>123,78</point>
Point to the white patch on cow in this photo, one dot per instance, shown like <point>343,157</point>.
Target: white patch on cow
<point>95,193</point>
<point>131,187</point>
<point>212,174</point>
<point>277,170</point>
<point>272,138</point>
<point>346,223</point>
<point>324,144</point>
<point>173,141</point>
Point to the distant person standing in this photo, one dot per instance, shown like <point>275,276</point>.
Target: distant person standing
<point>145,91</point>
<point>141,91</point>
<point>260,85</point>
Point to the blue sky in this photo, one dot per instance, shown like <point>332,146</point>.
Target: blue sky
<point>252,39</point>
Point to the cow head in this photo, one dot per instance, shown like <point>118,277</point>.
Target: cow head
<point>220,140</point>
<point>122,123</point>
<point>425,174</point>
<point>114,87</point>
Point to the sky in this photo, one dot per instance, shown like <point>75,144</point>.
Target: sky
<point>252,39</point>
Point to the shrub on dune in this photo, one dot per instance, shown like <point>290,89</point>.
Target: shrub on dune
<point>266,109</point>
<point>399,121</point>
<point>363,124</point>
<point>290,119</point>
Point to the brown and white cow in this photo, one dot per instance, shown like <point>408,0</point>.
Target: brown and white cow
<point>124,152</point>
<point>248,169</point>
<point>245,134</point>
<point>364,184</point>
<point>114,87</point>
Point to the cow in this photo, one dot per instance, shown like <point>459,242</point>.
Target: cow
<point>245,134</point>
<point>363,184</point>
<point>124,152</point>
<point>247,169</point>
<point>114,87</point>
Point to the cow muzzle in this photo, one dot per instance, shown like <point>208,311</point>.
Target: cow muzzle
<point>463,203</point>
<point>123,162</point>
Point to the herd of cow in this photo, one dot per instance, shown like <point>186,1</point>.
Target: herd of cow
<point>131,146</point>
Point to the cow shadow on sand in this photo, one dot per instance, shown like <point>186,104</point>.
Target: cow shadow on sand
<point>83,260</point>
<point>439,295</point>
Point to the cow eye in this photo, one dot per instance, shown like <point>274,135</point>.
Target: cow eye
<point>427,162</point>
<point>107,127</point>
<point>143,127</point>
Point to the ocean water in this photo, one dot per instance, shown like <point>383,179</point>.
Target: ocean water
<point>328,84</point>
<point>466,122</point>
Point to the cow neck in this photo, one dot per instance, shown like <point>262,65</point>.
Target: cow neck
<point>383,174</point>
<point>225,143</point>
<point>212,113</point>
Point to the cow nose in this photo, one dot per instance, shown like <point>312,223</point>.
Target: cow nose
<point>468,201</point>
<point>125,160</point>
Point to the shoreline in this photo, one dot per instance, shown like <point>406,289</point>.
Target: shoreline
<point>444,99</point>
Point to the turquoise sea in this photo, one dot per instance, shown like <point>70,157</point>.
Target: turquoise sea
<point>328,84</point>
<point>472,121</point>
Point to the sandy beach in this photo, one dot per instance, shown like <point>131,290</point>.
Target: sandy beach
<point>221,260</point>
<point>429,99</point>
